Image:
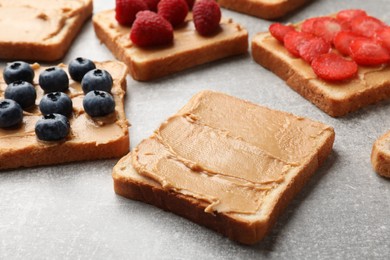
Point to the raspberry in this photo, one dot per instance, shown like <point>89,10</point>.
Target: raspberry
<point>190,4</point>
<point>313,48</point>
<point>327,28</point>
<point>369,52</point>
<point>152,4</point>
<point>279,30</point>
<point>342,41</point>
<point>175,11</point>
<point>293,40</point>
<point>126,10</point>
<point>151,29</point>
<point>383,36</point>
<point>333,67</point>
<point>366,25</point>
<point>207,16</point>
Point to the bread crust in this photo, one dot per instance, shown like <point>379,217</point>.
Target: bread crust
<point>156,67</point>
<point>331,102</point>
<point>263,9</point>
<point>380,155</point>
<point>48,153</point>
<point>130,184</point>
<point>50,51</point>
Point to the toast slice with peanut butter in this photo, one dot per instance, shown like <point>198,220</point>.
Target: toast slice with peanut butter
<point>266,9</point>
<point>189,48</point>
<point>380,156</point>
<point>40,30</point>
<point>90,138</point>
<point>225,163</point>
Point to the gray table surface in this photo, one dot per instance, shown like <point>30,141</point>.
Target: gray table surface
<point>71,211</point>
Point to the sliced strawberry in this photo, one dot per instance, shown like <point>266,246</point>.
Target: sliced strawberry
<point>349,14</point>
<point>342,41</point>
<point>369,52</point>
<point>293,40</point>
<point>383,36</point>
<point>307,25</point>
<point>313,47</point>
<point>366,25</point>
<point>326,28</point>
<point>333,67</point>
<point>279,30</point>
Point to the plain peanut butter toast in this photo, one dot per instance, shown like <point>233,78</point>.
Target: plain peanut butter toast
<point>225,163</point>
<point>52,115</point>
<point>40,30</point>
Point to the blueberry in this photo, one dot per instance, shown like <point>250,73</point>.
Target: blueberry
<point>79,67</point>
<point>52,127</point>
<point>56,102</point>
<point>18,70</point>
<point>98,103</point>
<point>11,114</point>
<point>54,79</point>
<point>97,79</point>
<point>22,92</point>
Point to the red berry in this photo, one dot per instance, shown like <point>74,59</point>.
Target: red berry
<point>313,47</point>
<point>326,28</point>
<point>333,67</point>
<point>383,36</point>
<point>369,52</point>
<point>152,4</point>
<point>366,25</point>
<point>151,29</point>
<point>342,41</point>
<point>279,30</point>
<point>349,14</point>
<point>307,25</point>
<point>126,10</point>
<point>293,40</point>
<point>190,4</point>
<point>175,11</point>
<point>207,15</point>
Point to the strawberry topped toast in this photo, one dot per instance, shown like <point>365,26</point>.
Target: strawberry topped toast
<point>338,62</point>
<point>157,38</point>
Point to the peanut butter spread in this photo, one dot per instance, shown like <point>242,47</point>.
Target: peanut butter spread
<point>32,21</point>
<point>185,38</point>
<point>83,128</point>
<point>226,152</point>
<point>367,77</point>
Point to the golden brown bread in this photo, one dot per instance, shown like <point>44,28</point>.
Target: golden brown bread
<point>188,50</point>
<point>89,138</point>
<point>261,144</point>
<point>380,156</point>
<point>266,9</point>
<point>371,85</point>
<point>40,30</point>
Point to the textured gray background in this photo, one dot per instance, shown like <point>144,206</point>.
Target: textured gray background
<point>70,211</point>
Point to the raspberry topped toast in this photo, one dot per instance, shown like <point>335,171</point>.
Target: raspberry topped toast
<point>340,62</point>
<point>156,44</point>
<point>225,163</point>
<point>41,29</point>
<point>48,118</point>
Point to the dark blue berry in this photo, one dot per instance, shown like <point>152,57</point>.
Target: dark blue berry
<point>22,92</point>
<point>11,114</point>
<point>52,127</point>
<point>79,67</point>
<point>18,70</point>
<point>97,80</point>
<point>56,102</point>
<point>98,103</point>
<point>54,79</point>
